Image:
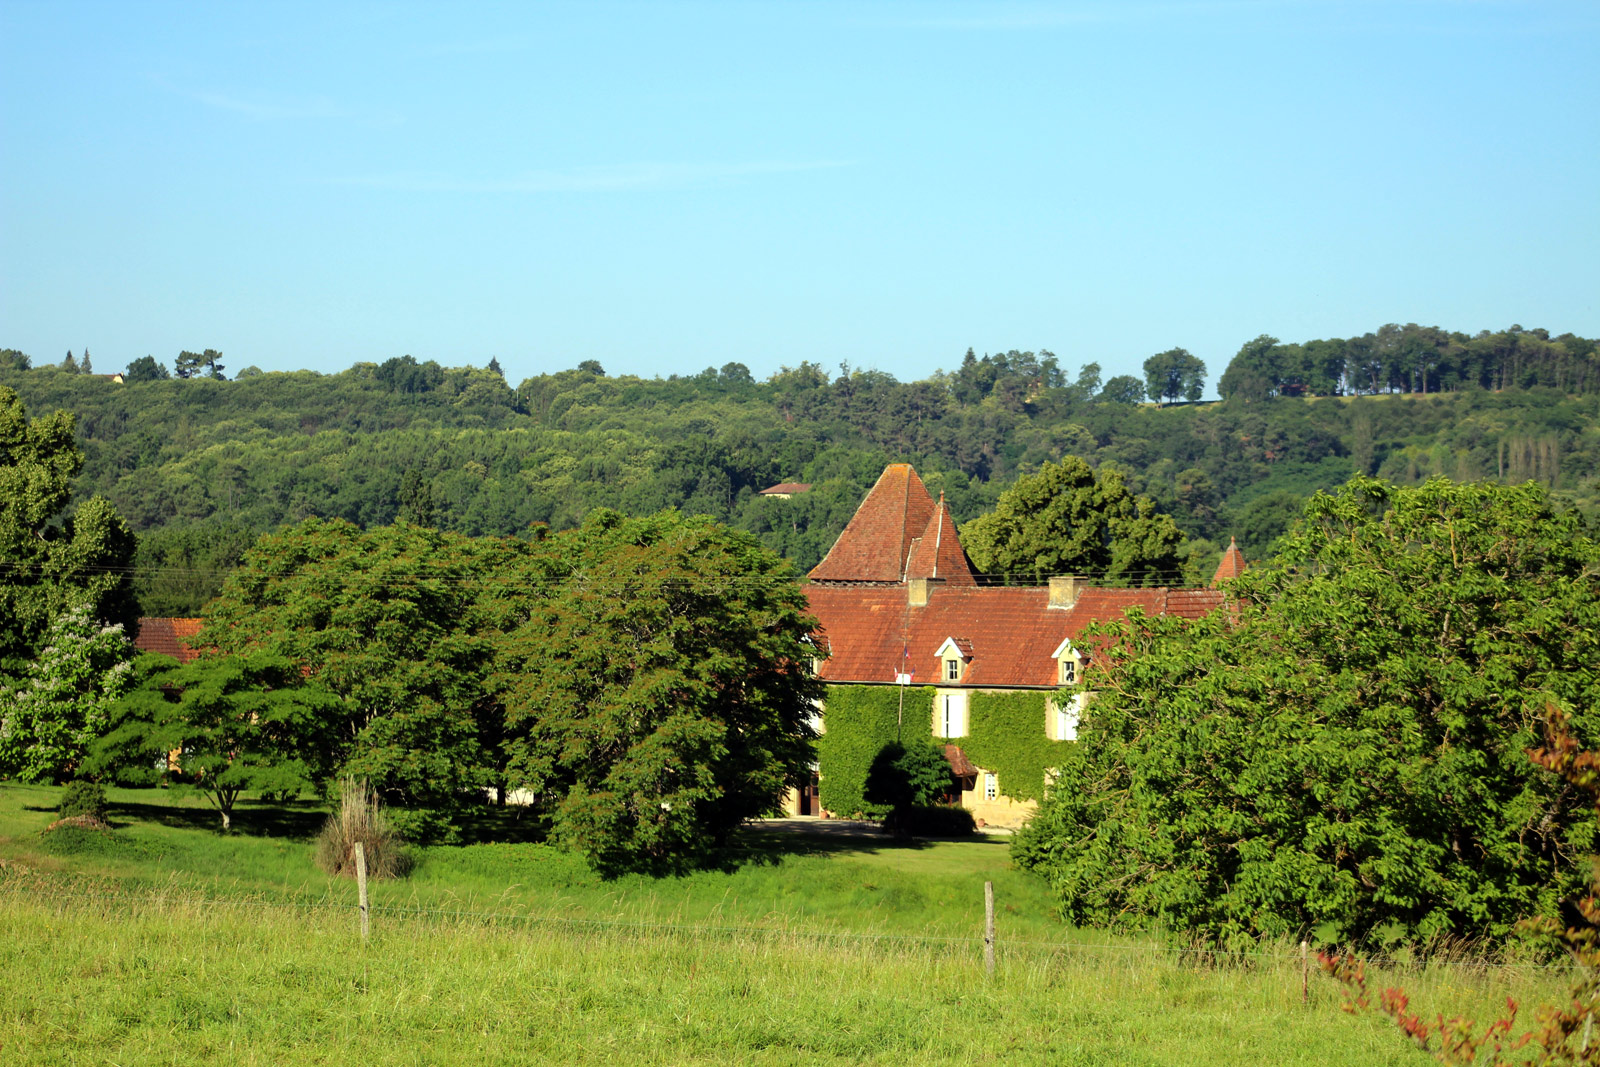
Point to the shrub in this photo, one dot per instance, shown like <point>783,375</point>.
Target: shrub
<point>83,798</point>
<point>909,779</point>
<point>930,820</point>
<point>359,819</point>
<point>904,776</point>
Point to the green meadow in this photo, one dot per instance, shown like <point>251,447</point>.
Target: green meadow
<point>163,941</point>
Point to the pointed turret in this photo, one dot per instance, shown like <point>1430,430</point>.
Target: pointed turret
<point>1232,565</point>
<point>938,552</point>
<point>878,538</point>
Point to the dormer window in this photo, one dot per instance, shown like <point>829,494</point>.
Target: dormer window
<point>813,664</point>
<point>953,656</point>
<point>1069,664</point>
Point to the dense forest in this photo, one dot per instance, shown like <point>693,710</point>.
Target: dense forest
<point>200,465</point>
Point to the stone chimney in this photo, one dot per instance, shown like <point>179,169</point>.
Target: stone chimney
<point>918,590</point>
<point>1064,592</point>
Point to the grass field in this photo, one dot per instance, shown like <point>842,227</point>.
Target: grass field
<point>165,942</point>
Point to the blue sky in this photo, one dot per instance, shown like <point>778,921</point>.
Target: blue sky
<point>663,187</point>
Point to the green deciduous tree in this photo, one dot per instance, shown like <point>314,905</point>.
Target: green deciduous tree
<point>386,619</point>
<point>405,375</point>
<point>179,568</point>
<point>1087,387</point>
<point>1259,523</point>
<point>905,776</point>
<point>146,369</point>
<point>1122,389</point>
<point>60,703</point>
<point>1070,519</point>
<point>1345,748</point>
<point>1173,374</point>
<point>1255,373</point>
<point>250,722</point>
<point>656,693</point>
<point>49,566</point>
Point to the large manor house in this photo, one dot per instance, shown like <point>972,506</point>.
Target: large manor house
<point>899,605</point>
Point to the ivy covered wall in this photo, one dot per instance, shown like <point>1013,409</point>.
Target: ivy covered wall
<point>1006,735</point>
<point>858,721</point>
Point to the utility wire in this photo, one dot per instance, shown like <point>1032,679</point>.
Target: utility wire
<point>380,574</point>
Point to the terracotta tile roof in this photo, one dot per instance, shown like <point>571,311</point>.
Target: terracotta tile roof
<point>786,489</point>
<point>937,552</point>
<point>960,765</point>
<point>872,633</point>
<point>1192,603</point>
<point>1007,634</point>
<point>170,637</point>
<point>877,540</point>
<point>1232,565</point>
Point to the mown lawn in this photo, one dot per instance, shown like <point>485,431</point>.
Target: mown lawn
<point>777,880</point>
<point>165,942</point>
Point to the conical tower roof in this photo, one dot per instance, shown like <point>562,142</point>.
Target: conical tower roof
<point>1232,565</point>
<point>938,552</point>
<point>878,538</point>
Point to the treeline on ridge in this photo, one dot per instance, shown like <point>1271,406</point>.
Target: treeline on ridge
<point>1412,359</point>
<point>199,466</point>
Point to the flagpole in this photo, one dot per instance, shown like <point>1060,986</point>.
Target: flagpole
<point>904,679</point>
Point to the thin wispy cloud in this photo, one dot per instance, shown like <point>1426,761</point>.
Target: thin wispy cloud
<point>270,107</point>
<point>481,46</point>
<point>617,178</point>
<point>274,110</point>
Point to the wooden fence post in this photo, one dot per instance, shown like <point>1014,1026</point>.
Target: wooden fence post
<point>988,928</point>
<point>1305,973</point>
<point>361,888</point>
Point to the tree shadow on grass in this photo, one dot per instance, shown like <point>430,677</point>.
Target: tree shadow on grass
<point>759,846</point>
<point>293,819</point>
<point>511,823</point>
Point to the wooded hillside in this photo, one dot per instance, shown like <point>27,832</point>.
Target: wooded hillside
<point>200,465</point>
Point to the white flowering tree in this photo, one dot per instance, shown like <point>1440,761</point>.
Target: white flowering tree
<point>61,701</point>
